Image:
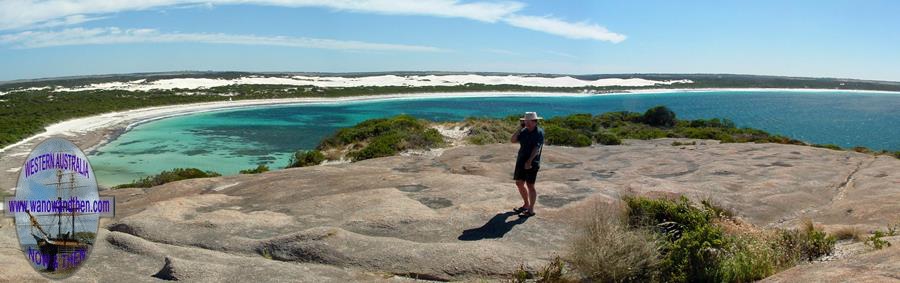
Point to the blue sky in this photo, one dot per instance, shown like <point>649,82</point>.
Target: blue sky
<point>847,39</point>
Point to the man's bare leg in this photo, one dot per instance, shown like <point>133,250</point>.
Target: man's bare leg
<point>532,196</point>
<point>523,192</point>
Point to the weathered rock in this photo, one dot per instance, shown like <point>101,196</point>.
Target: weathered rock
<point>446,216</point>
<point>865,265</point>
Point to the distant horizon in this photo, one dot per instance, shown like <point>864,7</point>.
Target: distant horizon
<point>804,38</point>
<point>174,72</point>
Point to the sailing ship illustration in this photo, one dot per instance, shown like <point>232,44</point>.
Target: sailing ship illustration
<point>65,241</point>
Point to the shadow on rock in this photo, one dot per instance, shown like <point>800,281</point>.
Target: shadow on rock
<point>494,228</point>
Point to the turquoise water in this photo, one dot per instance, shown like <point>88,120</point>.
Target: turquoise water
<point>231,140</point>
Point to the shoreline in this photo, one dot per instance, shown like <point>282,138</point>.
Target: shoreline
<point>140,116</point>
<point>92,132</point>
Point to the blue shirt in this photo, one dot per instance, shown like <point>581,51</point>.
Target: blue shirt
<point>528,141</point>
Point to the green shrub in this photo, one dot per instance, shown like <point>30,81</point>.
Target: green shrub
<point>490,131</point>
<point>716,210</point>
<point>372,128</point>
<point>711,123</point>
<point>606,138</point>
<point>659,116</point>
<point>876,242</point>
<point>380,146</point>
<point>810,242</point>
<point>862,149</point>
<point>384,137</point>
<point>259,169</point>
<point>696,248</point>
<point>167,176</point>
<point>647,212</point>
<point>693,242</point>
<point>616,119</point>
<point>582,123</point>
<point>750,258</point>
<point>708,133</point>
<point>639,132</point>
<point>305,158</point>
<point>693,256</point>
<point>555,135</point>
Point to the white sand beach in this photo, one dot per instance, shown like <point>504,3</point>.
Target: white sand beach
<point>127,119</point>
<point>94,131</point>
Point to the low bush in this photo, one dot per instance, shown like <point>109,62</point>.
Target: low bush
<point>639,132</point>
<point>305,158</point>
<point>607,250</point>
<point>697,247</point>
<point>710,123</point>
<point>384,137</point>
<point>876,242</point>
<point>556,135</point>
<point>616,119</point>
<point>607,138</point>
<point>716,210</point>
<point>259,169</point>
<point>813,242</point>
<point>659,116</point>
<point>748,258</point>
<point>582,123</point>
<point>167,176</point>
<point>490,131</point>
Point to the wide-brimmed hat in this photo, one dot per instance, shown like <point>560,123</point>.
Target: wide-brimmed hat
<point>531,116</point>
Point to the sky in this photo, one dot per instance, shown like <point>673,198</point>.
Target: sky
<point>826,38</point>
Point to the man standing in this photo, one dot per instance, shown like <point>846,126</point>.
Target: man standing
<point>530,139</point>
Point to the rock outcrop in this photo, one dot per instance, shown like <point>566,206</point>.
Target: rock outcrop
<point>446,216</point>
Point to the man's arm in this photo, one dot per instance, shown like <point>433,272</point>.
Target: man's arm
<point>534,153</point>
<point>515,136</point>
<point>536,150</point>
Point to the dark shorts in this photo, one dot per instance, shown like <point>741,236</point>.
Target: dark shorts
<point>529,176</point>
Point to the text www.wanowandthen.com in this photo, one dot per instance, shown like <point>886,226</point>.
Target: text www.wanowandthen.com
<point>60,206</point>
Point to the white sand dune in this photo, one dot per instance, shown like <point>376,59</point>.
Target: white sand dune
<point>384,80</point>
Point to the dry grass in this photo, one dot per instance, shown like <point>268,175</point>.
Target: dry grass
<point>606,250</point>
<point>849,233</point>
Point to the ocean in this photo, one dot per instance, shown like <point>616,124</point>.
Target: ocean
<point>231,140</point>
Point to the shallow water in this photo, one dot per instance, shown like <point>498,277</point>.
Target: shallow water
<point>231,140</point>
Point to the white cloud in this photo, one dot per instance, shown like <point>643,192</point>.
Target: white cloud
<point>581,30</point>
<point>29,14</point>
<point>67,21</point>
<point>112,35</point>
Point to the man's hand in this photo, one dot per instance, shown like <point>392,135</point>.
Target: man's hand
<point>528,165</point>
<point>515,136</point>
